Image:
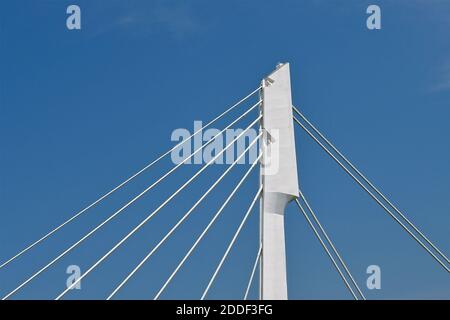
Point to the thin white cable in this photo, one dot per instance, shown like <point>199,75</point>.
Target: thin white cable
<point>372,196</point>
<point>230,246</point>
<point>143,261</point>
<point>123,207</point>
<point>79,213</point>
<point>327,238</point>
<point>326,250</point>
<point>155,211</point>
<point>372,186</point>
<point>258,256</point>
<point>206,229</point>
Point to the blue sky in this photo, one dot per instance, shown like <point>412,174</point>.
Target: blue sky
<point>82,110</point>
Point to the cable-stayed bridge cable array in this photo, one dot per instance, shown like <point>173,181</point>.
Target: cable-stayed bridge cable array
<point>232,242</point>
<point>162,205</point>
<point>182,219</point>
<point>314,229</point>
<point>154,184</point>
<point>347,271</point>
<point>265,140</point>
<point>205,231</point>
<point>444,263</point>
<point>103,197</point>
<point>352,166</point>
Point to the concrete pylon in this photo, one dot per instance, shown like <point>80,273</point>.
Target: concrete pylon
<point>279,180</point>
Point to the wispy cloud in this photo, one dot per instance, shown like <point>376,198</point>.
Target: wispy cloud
<point>179,21</point>
<point>443,78</point>
<point>176,20</point>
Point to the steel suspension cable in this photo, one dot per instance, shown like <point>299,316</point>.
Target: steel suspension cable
<point>156,211</point>
<point>330,243</point>
<point>230,245</point>
<point>372,195</point>
<point>326,249</point>
<point>230,196</point>
<point>79,213</point>
<point>143,261</point>
<point>122,208</point>
<point>372,185</point>
<point>258,257</point>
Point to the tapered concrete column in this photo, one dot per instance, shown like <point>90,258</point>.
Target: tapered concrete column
<point>279,180</point>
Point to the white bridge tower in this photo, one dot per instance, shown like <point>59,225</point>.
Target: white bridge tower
<point>279,180</point>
